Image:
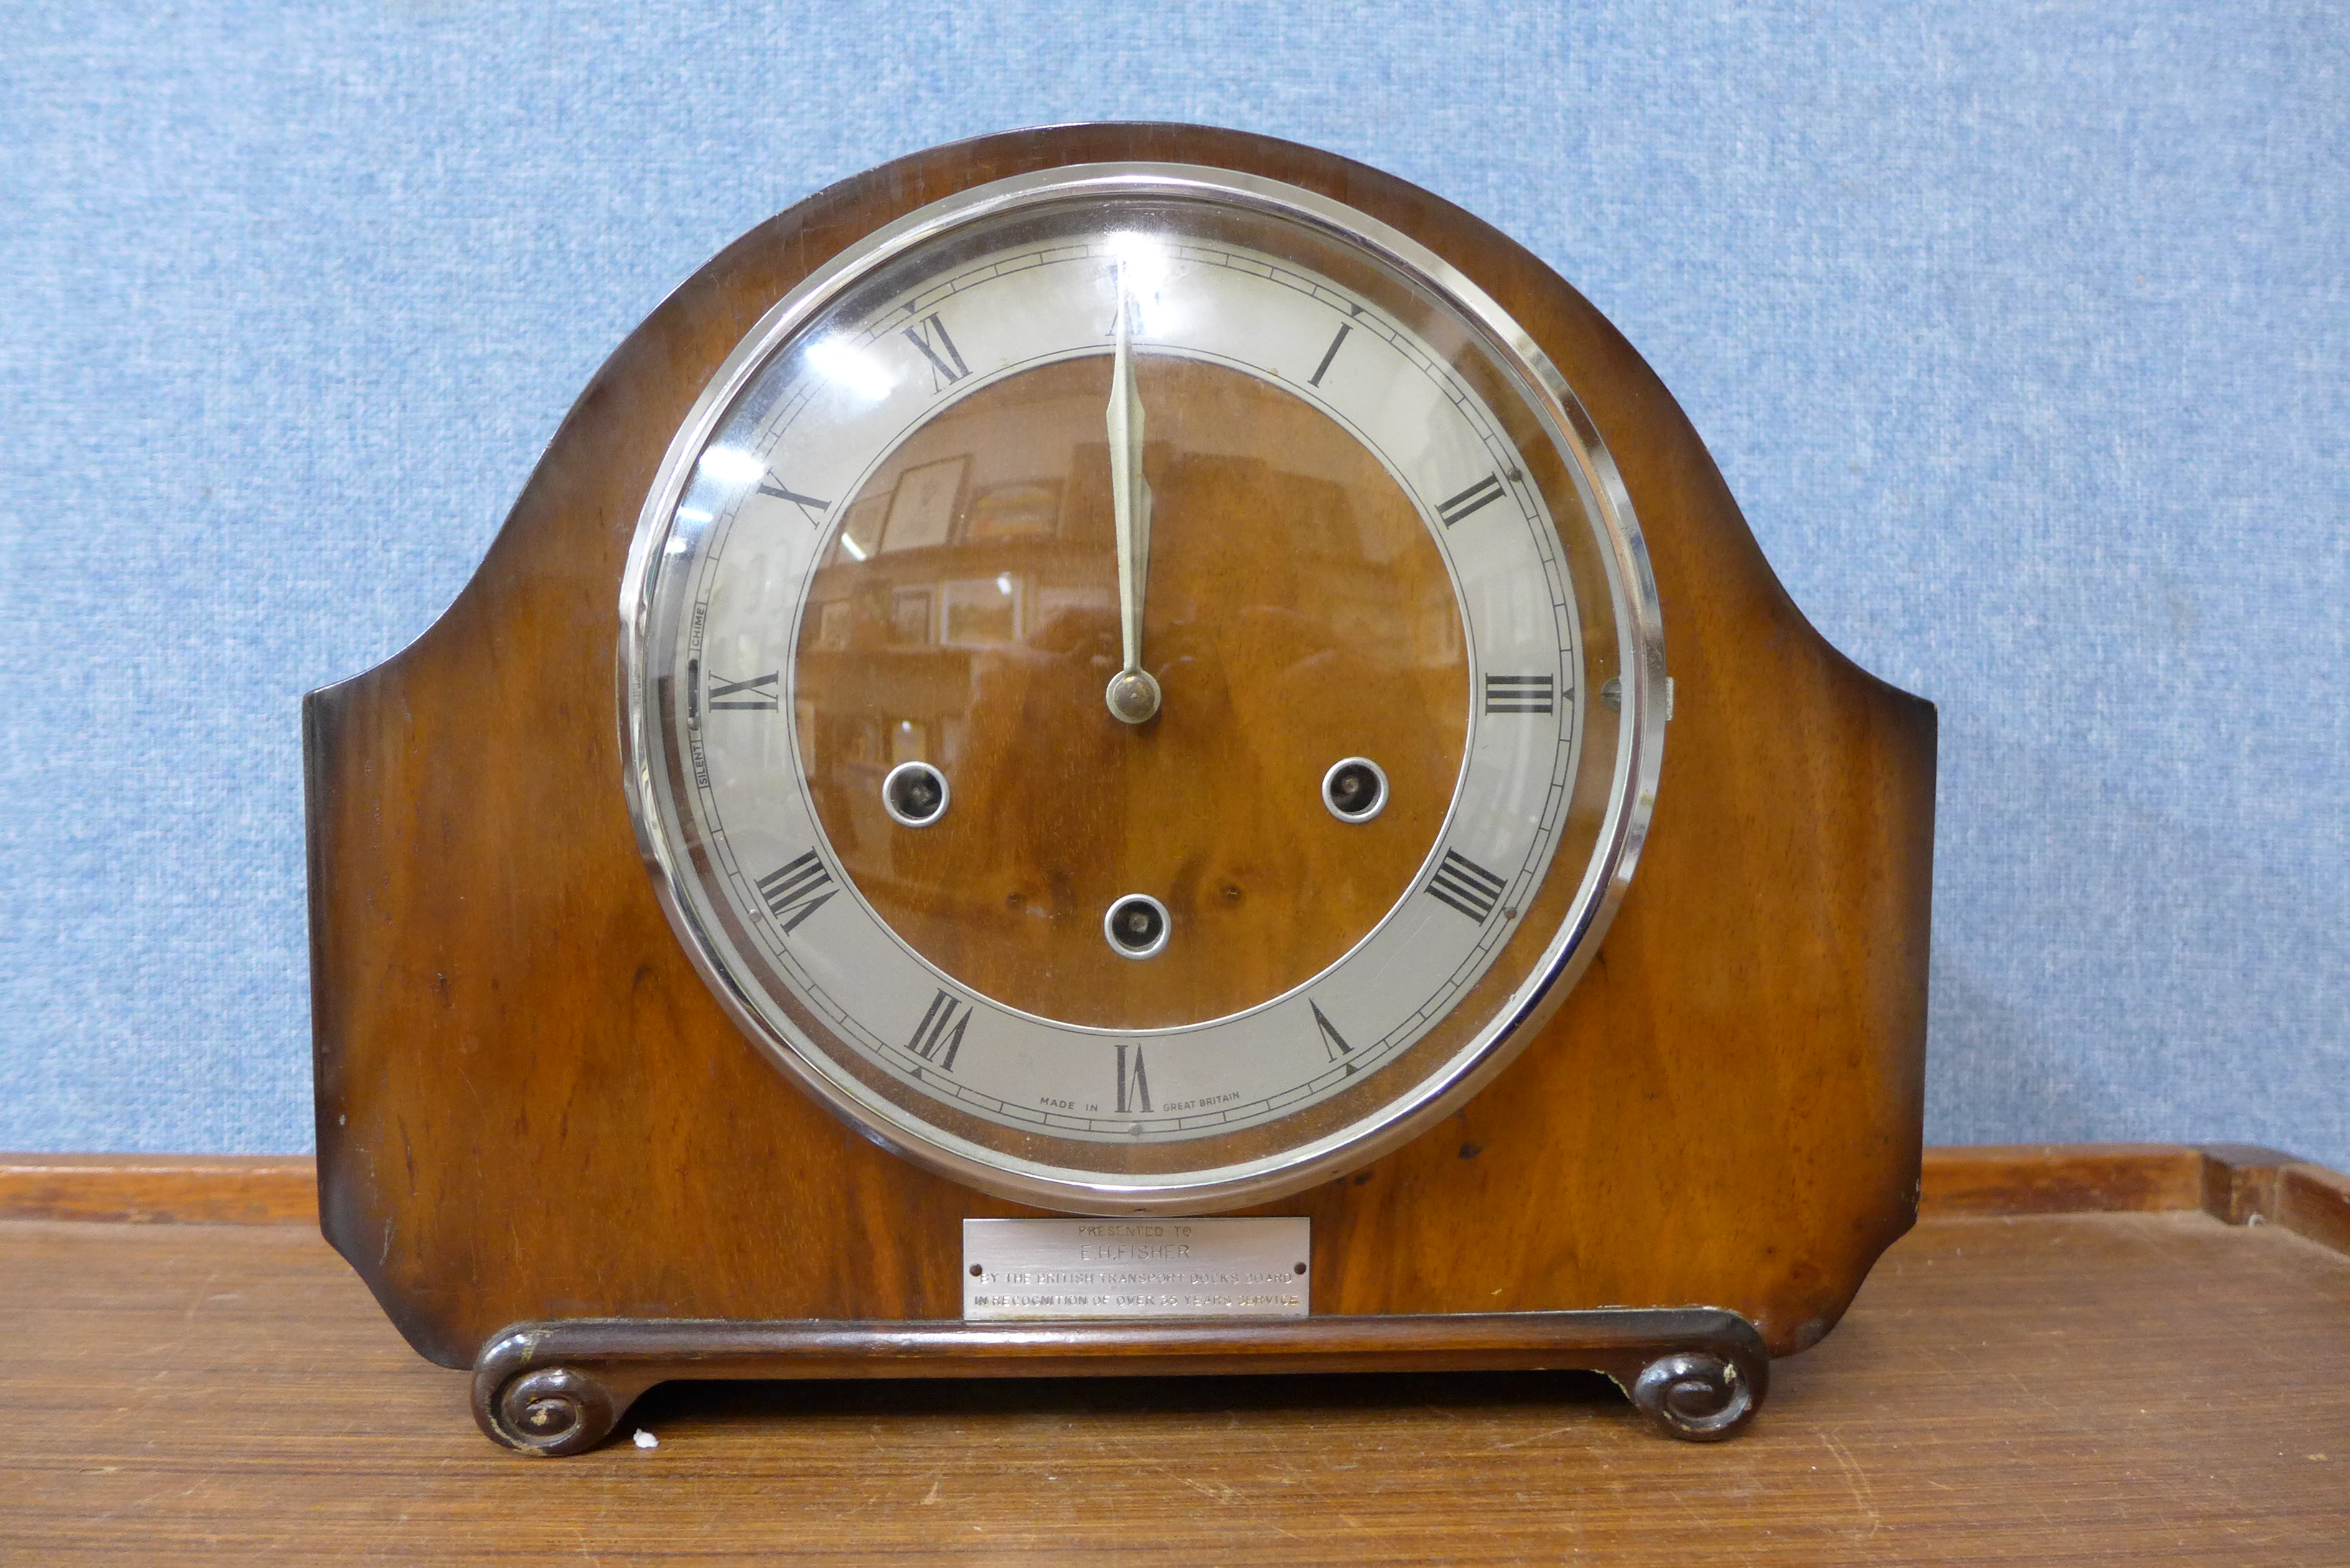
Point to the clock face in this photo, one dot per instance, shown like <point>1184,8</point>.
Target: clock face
<point>1140,687</point>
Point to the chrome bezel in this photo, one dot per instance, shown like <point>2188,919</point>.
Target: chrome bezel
<point>1631,593</point>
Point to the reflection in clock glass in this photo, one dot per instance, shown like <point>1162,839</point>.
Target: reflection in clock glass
<point>1298,612</point>
<point>1146,525</point>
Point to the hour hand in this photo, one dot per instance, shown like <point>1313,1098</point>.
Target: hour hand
<point>1133,695</point>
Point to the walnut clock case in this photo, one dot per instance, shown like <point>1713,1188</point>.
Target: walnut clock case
<point>1130,672</point>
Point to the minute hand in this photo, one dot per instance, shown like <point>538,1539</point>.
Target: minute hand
<point>1133,695</point>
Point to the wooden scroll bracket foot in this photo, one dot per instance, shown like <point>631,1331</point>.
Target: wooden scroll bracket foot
<point>1697,1373</point>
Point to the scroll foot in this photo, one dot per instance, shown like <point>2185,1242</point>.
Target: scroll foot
<point>552,1410</point>
<point>1697,1398</point>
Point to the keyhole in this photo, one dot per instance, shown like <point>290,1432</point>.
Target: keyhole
<point>1136,925</point>
<point>1354,790</point>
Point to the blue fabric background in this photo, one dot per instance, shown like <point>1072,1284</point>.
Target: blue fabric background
<point>2020,332</point>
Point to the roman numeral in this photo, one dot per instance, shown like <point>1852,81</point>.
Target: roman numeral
<point>759,692</point>
<point>941,1029</point>
<point>1465,885</point>
<point>1331,1041</point>
<point>1520,693</point>
<point>1330,354</point>
<point>929,335</point>
<point>1484,493</point>
<point>796,889</point>
<point>810,507</point>
<point>1133,1080</point>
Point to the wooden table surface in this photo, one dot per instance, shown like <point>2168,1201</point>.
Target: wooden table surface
<point>2142,1384</point>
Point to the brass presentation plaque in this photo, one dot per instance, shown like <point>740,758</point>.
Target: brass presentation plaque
<point>1135,1268</point>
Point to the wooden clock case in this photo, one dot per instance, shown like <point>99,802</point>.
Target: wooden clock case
<point>552,1158</point>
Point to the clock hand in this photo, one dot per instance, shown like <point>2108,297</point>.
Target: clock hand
<point>1133,695</point>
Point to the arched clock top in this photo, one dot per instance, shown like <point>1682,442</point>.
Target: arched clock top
<point>540,1095</point>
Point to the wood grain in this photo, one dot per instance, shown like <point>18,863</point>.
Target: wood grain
<point>2241,1181</point>
<point>2315,1203</point>
<point>2140,1387</point>
<point>1283,650</point>
<point>530,1107</point>
<point>2237,1184</point>
<point>246,1189</point>
<point>2061,1178</point>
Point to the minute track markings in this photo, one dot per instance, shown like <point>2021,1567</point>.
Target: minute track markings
<point>1003,1091</point>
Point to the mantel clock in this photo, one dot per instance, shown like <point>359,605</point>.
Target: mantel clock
<point>1047,777</point>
